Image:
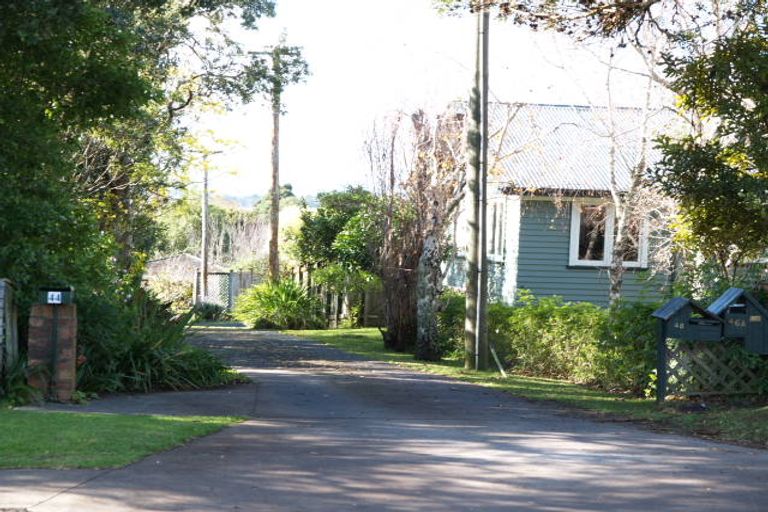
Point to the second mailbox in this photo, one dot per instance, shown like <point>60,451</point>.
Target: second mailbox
<point>744,318</point>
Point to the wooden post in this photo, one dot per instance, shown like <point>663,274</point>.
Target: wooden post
<point>661,362</point>
<point>474,141</point>
<point>481,347</point>
<point>204,236</point>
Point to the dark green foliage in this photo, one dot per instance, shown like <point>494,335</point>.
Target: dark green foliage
<point>721,180</point>
<point>209,312</point>
<point>283,305</point>
<point>89,148</point>
<point>337,232</point>
<point>14,389</point>
<point>548,337</point>
<point>627,350</point>
<point>450,324</point>
<point>139,345</point>
<point>612,348</point>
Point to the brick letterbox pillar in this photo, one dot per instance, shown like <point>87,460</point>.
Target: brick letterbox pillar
<point>53,346</point>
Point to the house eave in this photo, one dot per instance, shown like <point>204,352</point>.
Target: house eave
<point>530,193</point>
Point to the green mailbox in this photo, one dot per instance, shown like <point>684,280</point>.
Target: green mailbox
<point>744,318</point>
<point>685,320</point>
<point>56,295</point>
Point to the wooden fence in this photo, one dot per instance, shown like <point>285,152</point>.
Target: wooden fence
<point>711,368</point>
<point>224,287</point>
<point>338,306</point>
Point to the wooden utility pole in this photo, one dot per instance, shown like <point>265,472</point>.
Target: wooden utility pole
<point>473,210</point>
<point>482,294</point>
<point>274,212</point>
<point>475,324</point>
<point>204,234</point>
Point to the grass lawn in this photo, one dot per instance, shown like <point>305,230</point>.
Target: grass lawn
<point>57,440</point>
<point>745,424</point>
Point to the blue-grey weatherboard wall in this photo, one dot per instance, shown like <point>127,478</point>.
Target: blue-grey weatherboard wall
<point>536,258</point>
<point>543,260</point>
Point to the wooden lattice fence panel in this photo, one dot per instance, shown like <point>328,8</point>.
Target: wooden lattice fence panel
<point>707,368</point>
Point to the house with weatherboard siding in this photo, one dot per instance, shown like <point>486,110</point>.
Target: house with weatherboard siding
<point>550,217</point>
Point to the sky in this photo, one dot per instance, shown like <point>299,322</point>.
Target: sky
<point>369,59</point>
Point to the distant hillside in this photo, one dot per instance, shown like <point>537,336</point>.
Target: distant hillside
<point>243,201</point>
<point>252,200</point>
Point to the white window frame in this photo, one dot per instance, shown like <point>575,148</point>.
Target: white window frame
<point>497,235</point>
<point>610,220</point>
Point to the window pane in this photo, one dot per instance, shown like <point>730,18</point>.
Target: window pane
<point>632,247</point>
<point>592,233</point>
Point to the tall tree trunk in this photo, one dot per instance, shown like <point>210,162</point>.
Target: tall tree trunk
<point>616,272</point>
<point>429,278</point>
<point>625,207</point>
<point>274,212</point>
<point>399,288</point>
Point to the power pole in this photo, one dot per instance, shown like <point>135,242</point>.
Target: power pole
<point>473,213</point>
<point>274,257</point>
<point>482,299</point>
<point>475,321</point>
<point>204,234</point>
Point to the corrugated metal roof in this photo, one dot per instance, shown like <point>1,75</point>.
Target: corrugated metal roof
<point>545,148</point>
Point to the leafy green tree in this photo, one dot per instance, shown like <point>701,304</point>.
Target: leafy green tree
<point>719,174</point>
<point>90,142</point>
<point>63,69</point>
<point>338,231</point>
<point>287,67</point>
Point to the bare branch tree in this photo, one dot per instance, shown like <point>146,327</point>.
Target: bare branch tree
<point>418,168</point>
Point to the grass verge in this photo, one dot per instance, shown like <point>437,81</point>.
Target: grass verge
<point>744,423</point>
<point>59,440</point>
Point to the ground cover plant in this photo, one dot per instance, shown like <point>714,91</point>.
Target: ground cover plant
<point>58,440</point>
<point>281,305</point>
<point>742,422</point>
<point>140,345</point>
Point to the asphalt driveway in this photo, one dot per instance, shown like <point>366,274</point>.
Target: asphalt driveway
<point>330,432</point>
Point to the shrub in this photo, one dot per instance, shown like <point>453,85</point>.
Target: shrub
<point>14,389</point>
<point>283,305</point>
<point>178,294</point>
<point>613,348</point>
<point>450,324</point>
<point>139,345</point>
<point>209,311</point>
<point>626,355</point>
<point>548,337</point>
